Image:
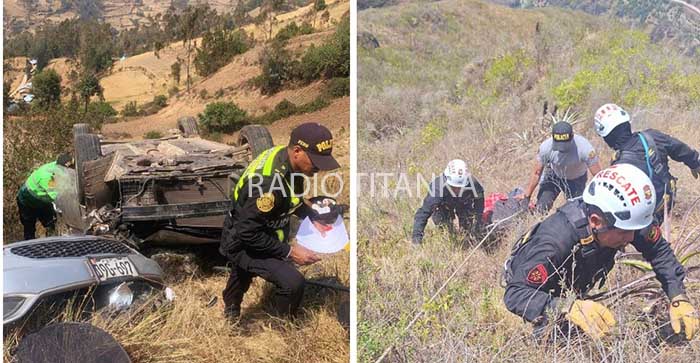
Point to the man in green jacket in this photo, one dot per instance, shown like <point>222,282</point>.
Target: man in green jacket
<point>36,196</point>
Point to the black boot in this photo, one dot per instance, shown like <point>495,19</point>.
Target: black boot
<point>233,314</point>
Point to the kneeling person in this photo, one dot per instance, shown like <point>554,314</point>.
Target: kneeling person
<point>575,247</point>
<point>256,231</point>
<point>455,193</point>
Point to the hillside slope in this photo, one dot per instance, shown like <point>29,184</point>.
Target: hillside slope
<point>120,14</point>
<point>468,79</point>
<point>677,21</point>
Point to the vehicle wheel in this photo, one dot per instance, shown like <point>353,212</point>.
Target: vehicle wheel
<point>86,148</point>
<point>80,129</point>
<point>257,138</point>
<point>188,126</point>
<point>70,342</point>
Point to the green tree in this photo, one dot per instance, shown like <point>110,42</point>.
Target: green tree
<point>277,68</point>
<point>89,86</point>
<point>223,117</point>
<point>46,87</point>
<point>320,5</point>
<point>96,47</point>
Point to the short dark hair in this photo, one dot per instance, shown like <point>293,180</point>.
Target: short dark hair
<point>64,159</point>
<point>608,217</point>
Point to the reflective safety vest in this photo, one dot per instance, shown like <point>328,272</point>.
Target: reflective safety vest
<point>41,183</point>
<point>263,166</point>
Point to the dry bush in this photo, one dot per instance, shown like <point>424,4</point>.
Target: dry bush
<point>426,98</point>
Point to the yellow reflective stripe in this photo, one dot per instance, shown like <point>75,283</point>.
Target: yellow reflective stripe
<point>252,166</point>
<point>280,235</point>
<point>267,169</point>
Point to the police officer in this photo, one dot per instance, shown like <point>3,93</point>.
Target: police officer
<point>36,196</point>
<point>648,150</point>
<point>575,248</point>
<point>455,193</point>
<point>562,162</point>
<point>256,232</point>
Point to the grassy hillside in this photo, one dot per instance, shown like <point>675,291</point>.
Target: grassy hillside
<point>677,21</point>
<point>468,79</point>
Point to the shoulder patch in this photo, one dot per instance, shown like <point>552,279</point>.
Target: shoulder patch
<point>265,202</point>
<point>654,234</point>
<point>591,155</point>
<point>538,275</point>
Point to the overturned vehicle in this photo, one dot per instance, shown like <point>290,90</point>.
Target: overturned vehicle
<point>172,191</point>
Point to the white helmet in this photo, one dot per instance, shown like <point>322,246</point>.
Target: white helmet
<point>625,193</point>
<point>608,117</point>
<point>457,174</point>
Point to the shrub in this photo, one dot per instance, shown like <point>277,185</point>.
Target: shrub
<point>320,5</point>
<point>160,101</point>
<point>152,135</point>
<point>130,109</point>
<point>315,105</point>
<point>277,68</point>
<point>204,94</point>
<point>329,60</point>
<point>219,93</point>
<point>338,87</point>
<point>222,117</point>
<point>173,91</point>
<point>215,136</point>
<point>292,30</point>
<point>99,113</point>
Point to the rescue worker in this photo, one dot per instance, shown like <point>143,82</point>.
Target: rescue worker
<point>562,163</point>
<point>648,150</point>
<point>36,196</point>
<point>574,249</point>
<point>455,193</point>
<point>256,231</point>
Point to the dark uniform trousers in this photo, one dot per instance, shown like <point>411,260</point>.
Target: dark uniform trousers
<point>31,210</point>
<point>289,282</point>
<point>551,187</point>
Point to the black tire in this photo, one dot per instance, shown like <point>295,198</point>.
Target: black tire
<point>80,129</point>
<point>86,148</point>
<point>257,138</point>
<point>70,342</point>
<point>188,126</point>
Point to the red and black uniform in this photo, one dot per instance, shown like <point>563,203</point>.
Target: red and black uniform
<point>649,150</point>
<point>561,251</point>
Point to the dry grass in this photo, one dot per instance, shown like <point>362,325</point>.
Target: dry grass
<point>439,88</point>
<point>189,331</point>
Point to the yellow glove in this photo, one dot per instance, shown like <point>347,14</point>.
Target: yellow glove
<point>682,311</point>
<point>593,318</point>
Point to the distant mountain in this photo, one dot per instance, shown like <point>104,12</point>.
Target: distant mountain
<point>677,21</point>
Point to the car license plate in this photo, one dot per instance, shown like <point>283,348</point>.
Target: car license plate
<point>112,267</point>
